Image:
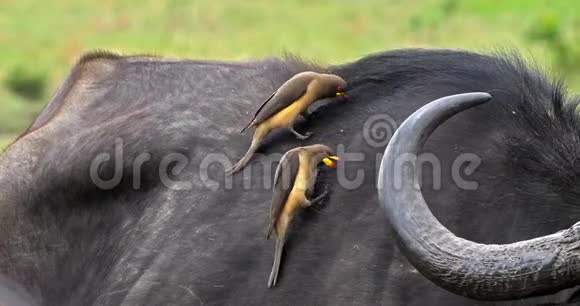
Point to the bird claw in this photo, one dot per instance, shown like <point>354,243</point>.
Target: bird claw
<point>302,137</point>
<point>306,136</point>
<point>323,195</point>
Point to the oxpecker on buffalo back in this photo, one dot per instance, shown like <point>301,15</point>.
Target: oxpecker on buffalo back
<point>282,108</point>
<point>293,186</point>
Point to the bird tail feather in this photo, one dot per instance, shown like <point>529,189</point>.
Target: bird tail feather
<point>244,161</point>
<point>256,141</point>
<point>276,265</point>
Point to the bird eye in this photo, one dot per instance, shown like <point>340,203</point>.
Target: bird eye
<point>339,88</point>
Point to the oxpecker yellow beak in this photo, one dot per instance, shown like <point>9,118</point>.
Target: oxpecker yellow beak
<point>339,94</point>
<point>329,161</point>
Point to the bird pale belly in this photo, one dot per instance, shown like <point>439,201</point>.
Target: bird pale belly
<point>304,179</point>
<point>286,116</point>
<point>293,204</point>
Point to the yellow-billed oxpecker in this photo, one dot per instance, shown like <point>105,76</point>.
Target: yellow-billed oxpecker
<point>282,108</point>
<point>293,186</point>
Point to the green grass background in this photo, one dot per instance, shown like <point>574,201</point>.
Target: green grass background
<point>40,40</point>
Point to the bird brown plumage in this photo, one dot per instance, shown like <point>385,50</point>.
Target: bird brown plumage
<point>293,186</point>
<point>282,108</point>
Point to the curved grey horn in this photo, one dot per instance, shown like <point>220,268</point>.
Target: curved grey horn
<point>538,266</point>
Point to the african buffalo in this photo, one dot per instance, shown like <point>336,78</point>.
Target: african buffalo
<point>116,194</point>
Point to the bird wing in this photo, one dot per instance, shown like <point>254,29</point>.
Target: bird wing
<point>258,111</point>
<point>284,178</point>
<point>289,92</point>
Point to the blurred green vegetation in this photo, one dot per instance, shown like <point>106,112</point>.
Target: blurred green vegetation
<point>40,40</point>
<point>5,140</point>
